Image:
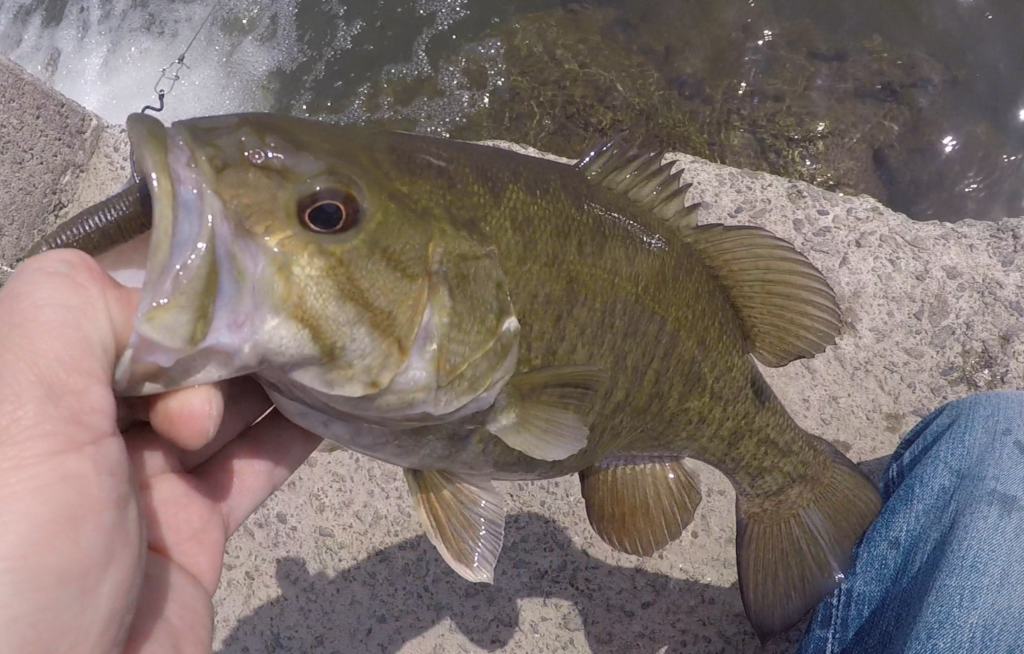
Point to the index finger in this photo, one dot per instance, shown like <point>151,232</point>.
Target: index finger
<point>63,324</point>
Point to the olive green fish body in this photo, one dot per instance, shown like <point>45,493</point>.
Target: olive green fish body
<point>596,280</point>
<point>473,314</point>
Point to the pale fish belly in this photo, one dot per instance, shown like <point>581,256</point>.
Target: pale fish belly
<point>400,447</point>
<point>425,448</point>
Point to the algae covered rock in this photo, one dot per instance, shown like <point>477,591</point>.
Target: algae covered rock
<point>577,76</point>
<point>710,81</point>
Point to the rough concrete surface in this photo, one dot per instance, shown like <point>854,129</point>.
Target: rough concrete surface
<point>336,561</point>
<point>45,142</point>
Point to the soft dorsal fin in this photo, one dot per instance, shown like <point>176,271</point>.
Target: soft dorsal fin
<point>788,309</point>
<point>641,176</point>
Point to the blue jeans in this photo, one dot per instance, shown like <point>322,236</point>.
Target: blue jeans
<point>942,568</point>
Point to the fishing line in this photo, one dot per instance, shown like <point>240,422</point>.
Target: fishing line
<point>171,73</point>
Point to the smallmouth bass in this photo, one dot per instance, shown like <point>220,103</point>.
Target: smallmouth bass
<point>472,314</point>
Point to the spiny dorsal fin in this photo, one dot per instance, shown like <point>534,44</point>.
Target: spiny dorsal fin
<point>788,309</point>
<point>642,177</point>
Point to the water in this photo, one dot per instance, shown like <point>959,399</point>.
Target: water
<point>958,155</point>
<point>253,55</point>
<point>975,172</point>
<point>107,55</point>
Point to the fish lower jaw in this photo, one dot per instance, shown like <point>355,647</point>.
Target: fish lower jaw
<point>199,315</point>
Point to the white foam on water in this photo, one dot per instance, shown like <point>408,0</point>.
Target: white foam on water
<point>108,54</point>
<point>344,32</point>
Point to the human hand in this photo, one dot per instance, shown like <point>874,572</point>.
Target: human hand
<point>112,543</point>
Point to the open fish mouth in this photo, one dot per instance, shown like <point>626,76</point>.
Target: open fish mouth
<point>197,313</point>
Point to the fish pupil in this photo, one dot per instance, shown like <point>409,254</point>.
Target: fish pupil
<point>329,212</point>
<point>326,216</point>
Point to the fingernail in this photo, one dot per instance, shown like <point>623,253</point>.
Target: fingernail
<point>216,410</point>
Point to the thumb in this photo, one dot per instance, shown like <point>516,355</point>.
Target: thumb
<point>63,324</point>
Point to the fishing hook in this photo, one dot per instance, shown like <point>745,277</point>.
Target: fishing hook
<point>177,65</point>
<point>173,78</point>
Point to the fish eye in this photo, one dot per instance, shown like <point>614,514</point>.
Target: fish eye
<point>329,211</point>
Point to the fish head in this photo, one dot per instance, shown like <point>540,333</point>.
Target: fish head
<point>286,248</point>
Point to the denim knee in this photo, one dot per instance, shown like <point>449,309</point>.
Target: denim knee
<point>991,403</point>
<point>984,414</point>
<point>984,428</point>
<point>939,570</point>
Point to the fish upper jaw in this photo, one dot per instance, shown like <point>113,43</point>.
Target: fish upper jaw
<point>199,314</point>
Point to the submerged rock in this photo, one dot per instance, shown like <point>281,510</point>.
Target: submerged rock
<point>853,117</point>
<point>785,101</point>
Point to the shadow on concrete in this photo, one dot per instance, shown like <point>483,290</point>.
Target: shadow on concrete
<point>397,594</point>
<point>392,597</point>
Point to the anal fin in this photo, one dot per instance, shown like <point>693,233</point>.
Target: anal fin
<point>640,505</point>
<point>463,517</point>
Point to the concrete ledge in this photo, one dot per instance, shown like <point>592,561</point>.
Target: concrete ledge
<point>45,142</point>
<point>336,561</point>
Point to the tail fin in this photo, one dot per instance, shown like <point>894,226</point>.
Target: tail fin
<point>792,552</point>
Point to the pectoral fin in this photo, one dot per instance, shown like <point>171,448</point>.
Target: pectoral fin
<point>545,413</point>
<point>639,506</point>
<point>329,447</point>
<point>463,518</point>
